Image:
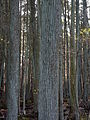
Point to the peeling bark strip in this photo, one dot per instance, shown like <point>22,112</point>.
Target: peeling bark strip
<point>49,59</point>
<point>13,62</point>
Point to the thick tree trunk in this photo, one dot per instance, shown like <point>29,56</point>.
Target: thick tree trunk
<point>13,62</point>
<point>49,60</point>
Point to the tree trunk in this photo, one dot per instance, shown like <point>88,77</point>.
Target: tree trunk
<point>72,57</point>
<point>49,60</point>
<point>78,62</point>
<point>68,63</point>
<point>35,53</point>
<point>13,62</point>
<point>85,52</point>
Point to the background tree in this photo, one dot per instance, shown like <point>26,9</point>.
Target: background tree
<point>78,60</point>
<point>72,56</point>
<point>85,50</point>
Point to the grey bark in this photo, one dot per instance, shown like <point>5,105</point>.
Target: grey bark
<point>13,62</point>
<point>49,60</point>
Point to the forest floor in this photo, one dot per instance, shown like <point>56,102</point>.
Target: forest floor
<point>84,109</point>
